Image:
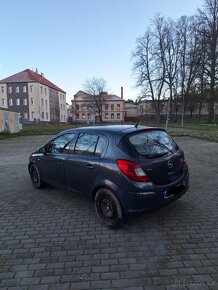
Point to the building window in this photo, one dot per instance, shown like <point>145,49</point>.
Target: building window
<point>24,89</point>
<point>33,115</point>
<point>24,102</point>
<point>3,90</point>
<point>106,115</point>
<point>10,90</point>
<point>45,91</point>
<point>112,115</point>
<point>41,90</point>
<point>32,101</point>
<point>83,106</point>
<point>112,107</point>
<point>118,115</point>
<point>25,115</point>
<point>46,116</point>
<point>106,107</point>
<point>89,116</point>
<point>46,104</point>
<point>10,102</point>
<point>61,106</point>
<point>77,107</point>
<point>43,115</point>
<point>118,107</point>
<point>64,118</point>
<point>83,115</point>
<point>77,116</point>
<point>17,89</point>
<point>31,88</point>
<point>18,102</point>
<point>3,102</point>
<point>42,102</point>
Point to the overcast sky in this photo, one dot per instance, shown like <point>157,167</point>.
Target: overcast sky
<point>74,40</point>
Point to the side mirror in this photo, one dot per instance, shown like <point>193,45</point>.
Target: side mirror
<point>42,150</point>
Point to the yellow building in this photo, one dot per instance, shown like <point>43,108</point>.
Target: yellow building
<point>9,121</point>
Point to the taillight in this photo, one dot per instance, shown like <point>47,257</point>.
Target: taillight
<point>132,170</point>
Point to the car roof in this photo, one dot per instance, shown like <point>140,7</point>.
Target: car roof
<point>112,129</point>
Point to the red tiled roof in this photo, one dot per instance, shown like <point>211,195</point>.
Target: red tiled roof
<point>30,76</point>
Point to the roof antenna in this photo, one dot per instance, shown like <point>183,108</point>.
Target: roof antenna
<point>137,122</point>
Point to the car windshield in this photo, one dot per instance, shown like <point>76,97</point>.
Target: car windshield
<point>153,143</point>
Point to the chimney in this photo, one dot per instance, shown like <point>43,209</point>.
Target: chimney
<point>121,92</point>
<point>42,74</point>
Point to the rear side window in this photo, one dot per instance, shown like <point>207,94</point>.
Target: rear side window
<point>152,143</point>
<point>90,144</point>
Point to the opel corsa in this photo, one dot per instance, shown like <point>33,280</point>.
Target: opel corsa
<point>122,169</point>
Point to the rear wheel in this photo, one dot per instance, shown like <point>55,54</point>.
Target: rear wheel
<point>108,208</point>
<point>35,177</point>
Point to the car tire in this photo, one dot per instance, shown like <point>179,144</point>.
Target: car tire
<point>35,177</point>
<point>108,208</point>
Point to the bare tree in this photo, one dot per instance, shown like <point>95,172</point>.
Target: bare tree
<point>189,59</point>
<point>96,88</point>
<point>149,75</point>
<point>209,29</point>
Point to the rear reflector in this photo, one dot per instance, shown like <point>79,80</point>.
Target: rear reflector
<point>132,170</point>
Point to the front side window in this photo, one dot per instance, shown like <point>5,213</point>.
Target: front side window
<point>24,102</point>
<point>24,89</point>
<point>9,90</point>
<point>3,102</point>
<point>61,144</point>
<point>10,102</point>
<point>153,142</point>
<point>18,102</point>
<point>17,89</point>
<point>3,89</point>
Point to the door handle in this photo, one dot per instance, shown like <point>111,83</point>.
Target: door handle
<point>90,166</point>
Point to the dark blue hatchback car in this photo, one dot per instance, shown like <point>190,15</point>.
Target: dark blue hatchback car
<point>123,169</point>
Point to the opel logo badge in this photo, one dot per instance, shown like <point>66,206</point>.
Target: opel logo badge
<point>170,164</point>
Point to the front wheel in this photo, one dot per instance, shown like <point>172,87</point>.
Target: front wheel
<point>108,208</point>
<point>35,177</point>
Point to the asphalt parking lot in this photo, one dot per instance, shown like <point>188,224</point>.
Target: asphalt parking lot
<point>51,239</point>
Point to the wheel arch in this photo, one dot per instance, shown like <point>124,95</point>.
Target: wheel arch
<point>112,187</point>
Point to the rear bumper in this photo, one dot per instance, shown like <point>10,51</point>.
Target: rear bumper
<point>153,196</point>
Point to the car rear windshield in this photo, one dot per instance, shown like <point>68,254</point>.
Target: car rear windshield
<point>151,143</point>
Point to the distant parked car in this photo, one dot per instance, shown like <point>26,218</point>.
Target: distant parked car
<point>123,169</point>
